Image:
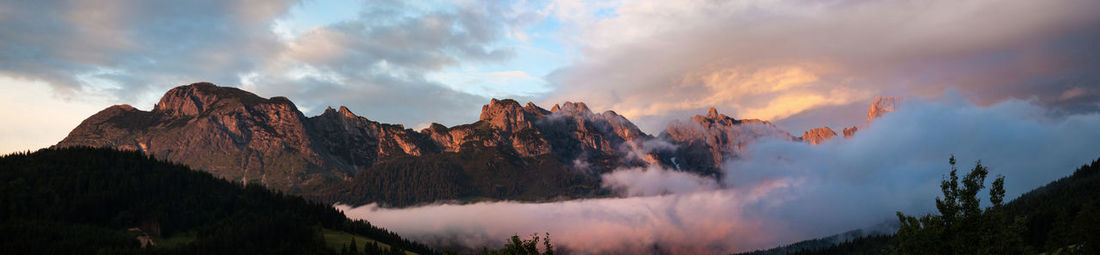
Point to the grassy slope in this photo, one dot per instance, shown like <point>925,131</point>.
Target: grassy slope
<point>338,239</point>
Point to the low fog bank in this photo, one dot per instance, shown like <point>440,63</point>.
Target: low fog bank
<point>780,192</point>
<point>699,222</point>
<point>655,180</point>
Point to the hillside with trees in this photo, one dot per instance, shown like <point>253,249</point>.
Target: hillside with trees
<point>476,173</point>
<point>1058,218</point>
<point>103,201</point>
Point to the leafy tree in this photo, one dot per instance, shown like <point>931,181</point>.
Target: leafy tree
<point>962,227</point>
<point>518,246</point>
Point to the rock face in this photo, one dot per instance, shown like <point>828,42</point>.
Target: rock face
<point>818,135</point>
<point>707,140</point>
<point>228,132</point>
<point>237,135</point>
<point>356,142</point>
<point>502,123</point>
<point>569,131</point>
<point>881,105</point>
<point>850,131</point>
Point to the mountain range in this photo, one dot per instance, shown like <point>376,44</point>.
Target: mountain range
<point>513,151</point>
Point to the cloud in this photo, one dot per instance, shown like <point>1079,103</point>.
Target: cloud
<point>692,223</point>
<point>654,180</point>
<point>782,191</point>
<point>379,64</point>
<point>651,60</point>
<point>132,49</point>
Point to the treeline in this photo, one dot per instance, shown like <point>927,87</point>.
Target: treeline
<point>520,246</point>
<point>89,201</point>
<point>864,245</point>
<point>474,173</point>
<point>851,242</point>
<point>368,248</point>
<point>1063,214</point>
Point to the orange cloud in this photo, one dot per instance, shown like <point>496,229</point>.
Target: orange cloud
<point>770,93</point>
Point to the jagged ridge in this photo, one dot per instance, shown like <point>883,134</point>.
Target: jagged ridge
<point>238,135</point>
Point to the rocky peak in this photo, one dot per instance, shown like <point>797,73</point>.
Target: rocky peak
<point>187,100</point>
<point>850,131</point>
<point>818,135</point>
<point>573,108</point>
<point>608,121</point>
<point>881,105</point>
<point>707,140</point>
<point>713,118</point>
<point>435,127</point>
<point>499,108</point>
<point>532,107</point>
<point>124,107</point>
<point>346,113</point>
<point>196,98</point>
<point>117,116</point>
<point>622,126</point>
<point>507,115</point>
<point>342,111</point>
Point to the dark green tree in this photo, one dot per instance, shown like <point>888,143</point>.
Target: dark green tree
<point>396,251</point>
<point>83,200</point>
<point>546,243</point>
<point>962,227</point>
<point>519,246</point>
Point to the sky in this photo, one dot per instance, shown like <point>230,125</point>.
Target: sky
<point>800,64</point>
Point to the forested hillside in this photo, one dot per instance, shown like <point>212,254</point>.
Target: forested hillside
<point>1062,213</point>
<point>473,174</point>
<point>89,201</point>
<point>1061,217</point>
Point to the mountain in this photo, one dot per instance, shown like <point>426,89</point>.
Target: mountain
<point>704,142</point>
<point>820,134</point>
<point>881,105</point>
<point>228,132</point>
<point>237,135</point>
<point>103,201</point>
<point>512,151</point>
